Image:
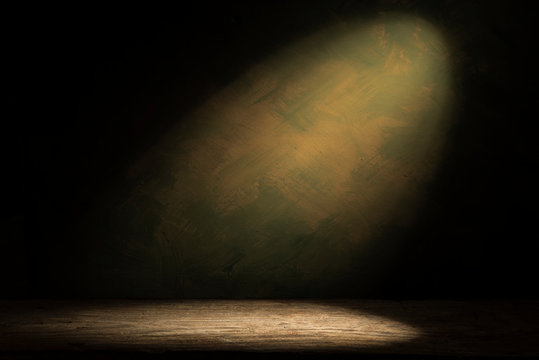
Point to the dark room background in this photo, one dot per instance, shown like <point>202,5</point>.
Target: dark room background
<point>106,107</point>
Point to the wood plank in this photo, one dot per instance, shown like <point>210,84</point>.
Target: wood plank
<point>426,328</point>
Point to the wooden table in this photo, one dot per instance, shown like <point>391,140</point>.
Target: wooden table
<point>268,328</point>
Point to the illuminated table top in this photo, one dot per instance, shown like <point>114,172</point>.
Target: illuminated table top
<point>438,328</point>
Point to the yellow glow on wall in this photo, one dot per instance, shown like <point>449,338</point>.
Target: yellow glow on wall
<point>301,158</point>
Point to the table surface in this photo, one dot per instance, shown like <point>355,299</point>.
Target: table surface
<point>380,328</point>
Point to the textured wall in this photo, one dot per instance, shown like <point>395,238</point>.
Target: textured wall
<point>271,148</point>
<point>288,181</point>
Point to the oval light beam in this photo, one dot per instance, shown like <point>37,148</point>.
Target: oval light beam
<point>272,186</point>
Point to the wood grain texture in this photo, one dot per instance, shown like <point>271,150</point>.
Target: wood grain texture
<point>426,328</point>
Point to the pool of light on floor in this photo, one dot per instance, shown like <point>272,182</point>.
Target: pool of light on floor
<point>210,325</point>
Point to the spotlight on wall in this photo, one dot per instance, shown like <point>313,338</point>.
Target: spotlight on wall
<point>282,177</point>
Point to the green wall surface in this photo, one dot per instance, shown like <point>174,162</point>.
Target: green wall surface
<point>287,181</point>
<point>302,148</point>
